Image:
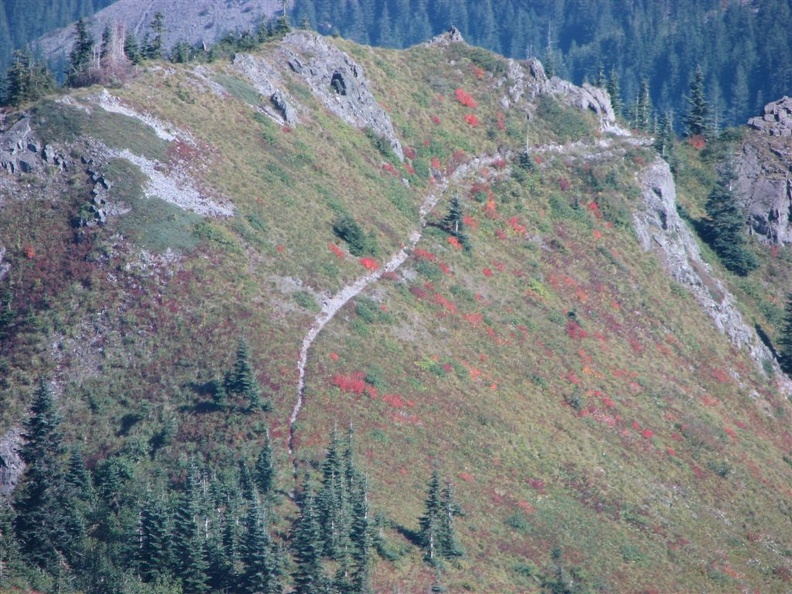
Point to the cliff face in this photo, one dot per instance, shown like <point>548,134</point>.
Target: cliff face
<point>762,167</point>
<point>560,349</point>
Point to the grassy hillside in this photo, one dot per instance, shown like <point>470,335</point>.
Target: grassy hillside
<point>594,423</point>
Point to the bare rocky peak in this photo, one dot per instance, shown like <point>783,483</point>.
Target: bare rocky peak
<point>334,78</point>
<point>762,166</point>
<point>193,21</point>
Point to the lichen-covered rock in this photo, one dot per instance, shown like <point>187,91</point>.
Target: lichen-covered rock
<point>777,118</point>
<point>11,464</point>
<point>19,149</point>
<point>762,167</point>
<point>339,82</point>
<point>660,229</point>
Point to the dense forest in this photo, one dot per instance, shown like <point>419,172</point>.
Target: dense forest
<point>21,21</point>
<point>742,46</point>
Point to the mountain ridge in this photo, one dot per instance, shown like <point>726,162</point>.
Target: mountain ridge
<point>580,400</point>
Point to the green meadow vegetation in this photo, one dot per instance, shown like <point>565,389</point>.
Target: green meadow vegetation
<point>546,411</point>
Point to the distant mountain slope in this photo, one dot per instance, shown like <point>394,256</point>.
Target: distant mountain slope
<point>191,21</point>
<point>473,266</point>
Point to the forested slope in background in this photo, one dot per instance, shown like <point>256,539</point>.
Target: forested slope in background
<point>21,21</point>
<point>743,46</point>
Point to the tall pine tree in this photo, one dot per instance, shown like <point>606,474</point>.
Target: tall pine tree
<point>697,118</point>
<point>726,226</point>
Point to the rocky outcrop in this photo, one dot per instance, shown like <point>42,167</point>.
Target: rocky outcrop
<point>762,165</point>
<point>11,464</point>
<point>339,83</point>
<point>526,80</point>
<point>777,118</point>
<point>22,152</point>
<point>269,83</point>
<point>660,229</point>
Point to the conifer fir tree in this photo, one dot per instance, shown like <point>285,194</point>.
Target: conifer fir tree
<point>81,55</point>
<point>615,93</point>
<point>429,534</point>
<point>697,118</point>
<point>308,546</point>
<point>242,381</point>
<point>785,339</point>
<point>153,48</point>
<point>264,472</point>
<point>188,538</point>
<point>263,570</point>
<point>26,80</point>
<point>155,555</point>
<point>43,523</point>
<point>725,228</point>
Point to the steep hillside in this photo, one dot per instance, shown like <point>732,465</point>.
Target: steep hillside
<point>471,265</point>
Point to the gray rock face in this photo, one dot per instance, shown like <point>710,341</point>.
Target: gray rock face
<point>763,166</point>
<point>777,118</point>
<point>19,149</point>
<point>339,82</point>
<point>5,267</point>
<point>193,21</point>
<point>660,229</point>
<point>11,465</point>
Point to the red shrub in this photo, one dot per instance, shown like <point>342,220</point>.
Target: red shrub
<point>477,71</point>
<point>29,251</point>
<point>354,384</point>
<point>435,120</point>
<point>336,250</point>
<point>369,263</point>
<point>409,152</point>
<point>574,330</point>
<point>454,242</point>
<point>487,272</point>
<point>465,99</point>
<point>472,120</point>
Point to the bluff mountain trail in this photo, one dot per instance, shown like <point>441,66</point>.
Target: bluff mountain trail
<point>332,305</point>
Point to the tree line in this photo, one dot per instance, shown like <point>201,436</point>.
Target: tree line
<point>110,60</point>
<point>126,527</point>
<point>743,48</point>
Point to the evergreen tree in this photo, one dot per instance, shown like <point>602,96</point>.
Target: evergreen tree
<point>242,381</point>
<point>725,227</point>
<point>132,48</point>
<point>81,55</point>
<point>333,502</point>
<point>155,555</point>
<point>430,532</point>
<point>246,485</point>
<point>643,108</point>
<point>45,525</point>
<point>11,564</point>
<point>454,222</point>
<point>264,472</point>
<point>362,539</point>
<point>601,80</point>
<point>450,545</point>
<point>188,538</point>
<point>696,120</point>
<point>307,545</point>
<point>615,92</point>
<point>664,140</point>
<point>785,339</point>
<point>25,80</point>
<point>263,571</point>
<point>152,49</point>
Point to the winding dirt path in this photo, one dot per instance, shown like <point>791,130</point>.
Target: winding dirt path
<point>332,305</point>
